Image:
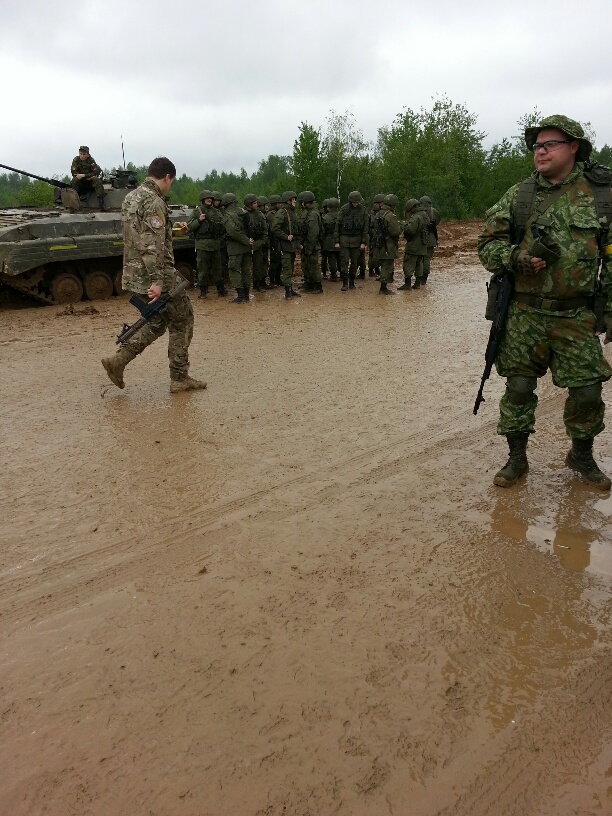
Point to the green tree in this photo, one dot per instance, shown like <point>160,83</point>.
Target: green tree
<point>342,144</point>
<point>306,159</point>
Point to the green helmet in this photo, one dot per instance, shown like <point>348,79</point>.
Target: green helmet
<point>250,198</point>
<point>412,203</point>
<point>288,195</point>
<point>217,196</point>
<point>333,203</point>
<point>425,200</point>
<point>391,200</point>
<point>275,199</point>
<point>205,194</point>
<point>227,199</point>
<point>307,196</point>
<point>262,201</point>
<point>355,195</point>
<point>570,127</point>
<point>379,198</point>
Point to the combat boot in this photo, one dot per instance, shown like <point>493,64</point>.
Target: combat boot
<point>115,366</point>
<point>417,283</point>
<point>294,293</point>
<point>517,464</point>
<point>580,458</point>
<point>351,282</point>
<point>102,203</point>
<point>185,384</point>
<point>221,290</point>
<point>203,292</point>
<point>239,296</point>
<point>361,275</point>
<point>317,288</point>
<point>404,287</point>
<point>245,294</point>
<point>344,285</point>
<point>288,293</point>
<point>333,277</point>
<point>383,289</point>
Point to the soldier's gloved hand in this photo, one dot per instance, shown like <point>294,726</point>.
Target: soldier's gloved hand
<point>524,263</point>
<point>607,319</point>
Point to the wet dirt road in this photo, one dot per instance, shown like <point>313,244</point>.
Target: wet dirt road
<point>296,592</point>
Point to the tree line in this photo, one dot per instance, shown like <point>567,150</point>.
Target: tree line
<point>437,152</point>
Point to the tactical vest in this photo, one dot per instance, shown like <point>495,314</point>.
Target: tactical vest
<point>353,220</point>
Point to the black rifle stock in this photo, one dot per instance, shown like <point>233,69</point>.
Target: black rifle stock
<point>148,311</point>
<point>502,302</point>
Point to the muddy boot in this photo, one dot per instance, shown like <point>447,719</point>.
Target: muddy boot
<point>517,464</point>
<point>239,296</point>
<point>288,293</point>
<point>417,283</point>
<point>351,281</point>
<point>344,285</point>
<point>203,292</point>
<point>221,290</point>
<point>580,458</point>
<point>115,366</point>
<point>186,384</point>
<point>404,287</point>
<point>102,203</point>
<point>317,288</point>
<point>384,290</point>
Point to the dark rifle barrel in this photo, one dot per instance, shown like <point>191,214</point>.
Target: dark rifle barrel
<point>52,182</point>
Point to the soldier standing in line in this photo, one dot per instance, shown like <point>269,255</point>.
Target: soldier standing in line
<point>324,259</point>
<point>217,196</point>
<point>86,175</point>
<point>373,268</point>
<point>206,226</point>
<point>417,236</point>
<point>550,234</point>
<point>328,245</point>
<point>263,205</point>
<point>351,236</point>
<point>433,219</point>
<point>311,231</point>
<point>257,229</point>
<point>275,257</point>
<point>239,247</point>
<point>148,269</point>
<point>385,238</point>
<point>285,230</point>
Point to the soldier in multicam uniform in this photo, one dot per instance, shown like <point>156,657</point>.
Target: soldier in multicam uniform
<point>148,269</point>
<point>285,230</point>
<point>239,246</point>
<point>311,231</point>
<point>328,245</point>
<point>275,256</point>
<point>385,238</point>
<point>206,225</point>
<point>86,175</point>
<point>417,239</point>
<point>550,322</point>
<point>351,236</point>
<point>433,219</point>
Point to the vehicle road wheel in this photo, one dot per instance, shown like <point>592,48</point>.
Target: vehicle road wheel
<point>187,271</point>
<point>98,285</point>
<point>66,288</point>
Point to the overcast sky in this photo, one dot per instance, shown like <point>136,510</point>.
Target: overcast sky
<point>224,84</point>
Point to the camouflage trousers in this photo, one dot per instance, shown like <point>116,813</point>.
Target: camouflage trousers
<point>330,258</point>
<point>240,270</point>
<point>259,267</point>
<point>177,317</point>
<point>386,266</point>
<point>427,262</point>
<point>310,267</point>
<point>83,186</point>
<point>413,265</point>
<point>275,266</point>
<point>287,264</point>
<point>535,341</point>
<point>349,261</point>
<point>209,267</point>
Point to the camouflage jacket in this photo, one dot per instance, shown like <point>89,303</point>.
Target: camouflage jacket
<point>235,221</point>
<point>148,258</point>
<point>329,228</point>
<point>311,230</point>
<point>207,233</point>
<point>285,224</point>
<point>432,219</point>
<point>352,226</point>
<point>570,224</point>
<point>258,229</point>
<point>385,234</point>
<point>87,166</point>
<point>414,231</point>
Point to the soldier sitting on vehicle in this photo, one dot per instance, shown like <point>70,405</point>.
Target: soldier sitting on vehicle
<point>86,175</point>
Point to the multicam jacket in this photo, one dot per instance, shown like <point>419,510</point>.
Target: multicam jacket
<point>148,258</point>
<point>570,225</point>
<point>87,166</point>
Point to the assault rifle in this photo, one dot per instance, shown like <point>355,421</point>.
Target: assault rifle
<point>503,283</point>
<point>148,311</point>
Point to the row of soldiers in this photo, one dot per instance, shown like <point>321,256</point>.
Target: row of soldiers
<point>262,238</point>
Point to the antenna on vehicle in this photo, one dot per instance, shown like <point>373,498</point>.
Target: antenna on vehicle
<point>122,151</point>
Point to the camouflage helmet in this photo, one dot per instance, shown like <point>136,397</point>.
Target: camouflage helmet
<point>275,199</point>
<point>379,198</point>
<point>288,195</point>
<point>250,198</point>
<point>205,194</point>
<point>307,196</point>
<point>570,127</point>
<point>425,200</point>
<point>391,200</point>
<point>262,201</point>
<point>228,198</point>
<point>355,195</point>
<point>412,203</point>
<point>217,196</point>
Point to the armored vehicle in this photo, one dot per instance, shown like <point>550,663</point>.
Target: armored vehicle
<point>74,250</point>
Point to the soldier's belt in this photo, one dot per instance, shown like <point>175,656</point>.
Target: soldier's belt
<point>565,305</point>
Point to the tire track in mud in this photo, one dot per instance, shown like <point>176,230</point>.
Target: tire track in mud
<point>36,590</point>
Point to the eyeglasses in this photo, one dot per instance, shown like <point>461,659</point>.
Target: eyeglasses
<point>549,145</point>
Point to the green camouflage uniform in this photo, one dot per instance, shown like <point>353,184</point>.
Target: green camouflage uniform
<point>285,224</point>
<point>275,258</point>
<point>92,180</point>
<point>416,250</point>
<point>148,260</point>
<point>259,234</point>
<point>538,338</point>
<point>238,246</point>
<point>311,229</point>
<point>207,234</point>
<point>433,219</point>
<point>385,237</point>
<point>351,230</point>
<point>328,248</point>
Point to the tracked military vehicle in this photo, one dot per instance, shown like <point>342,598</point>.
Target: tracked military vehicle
<point>75,251</point>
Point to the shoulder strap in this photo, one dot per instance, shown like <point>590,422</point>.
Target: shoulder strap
<point>523,207</point>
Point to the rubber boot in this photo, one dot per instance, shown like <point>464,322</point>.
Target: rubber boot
<point>344,285</point>
<point>417,283</point>
<point>102,203</point>
<point>580,458</point>
<point>517,464</point>
<point>351,281</point>
<point>203,292</point>
<point>288,293</point>
<point>186,384</point>
<point>383,289</point>
<point>221,290</point>
<point>115,366</point>
<point>239,296</point>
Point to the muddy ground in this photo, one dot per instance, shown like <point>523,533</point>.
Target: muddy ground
<point>296,592</point>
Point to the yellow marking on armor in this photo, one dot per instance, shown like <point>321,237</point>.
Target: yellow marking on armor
<point>67,246</point>
<point>179,237</point>
<point>608,249</point>
<point>117,243</point>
